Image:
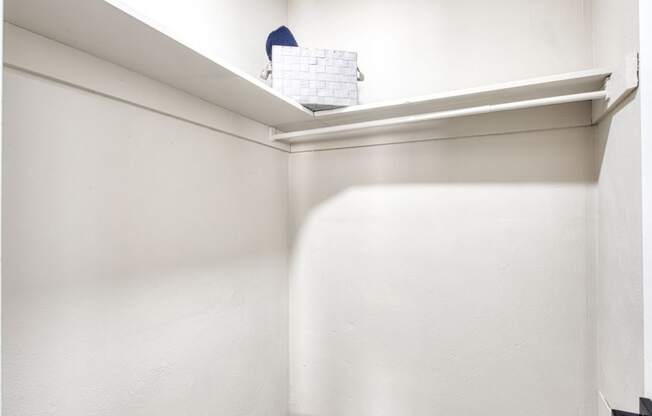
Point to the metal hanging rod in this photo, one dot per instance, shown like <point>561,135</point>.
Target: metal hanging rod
<point>304,135</point>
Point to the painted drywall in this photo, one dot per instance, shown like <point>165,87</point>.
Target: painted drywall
<point>619,300</point>
<point>645,94</point>
<point>145,261</point>
<point>1,121</point>
<point>233,30</point>
<point>443,277</point>
<point>425,46</point>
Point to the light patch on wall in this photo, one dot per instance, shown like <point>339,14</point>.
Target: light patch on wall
<point>410,297</point>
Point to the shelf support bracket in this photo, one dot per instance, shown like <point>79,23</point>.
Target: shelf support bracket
<point>622,82</point>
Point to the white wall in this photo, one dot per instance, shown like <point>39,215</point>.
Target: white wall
<point>443,277</point>
<point>1,122</point>
<point>234,30</point>
<point>446,276</point>
<point>619,299</point>
<point>143,275</point>
<point>145,261</point>
<point>645,94</point>
<point>424,46</point>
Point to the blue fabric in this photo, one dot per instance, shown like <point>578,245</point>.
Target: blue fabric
<point>281,36</point>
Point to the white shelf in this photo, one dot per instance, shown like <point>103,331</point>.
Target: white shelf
<point>337,131</point>
<point>523,90</point>
<point>109,30</point>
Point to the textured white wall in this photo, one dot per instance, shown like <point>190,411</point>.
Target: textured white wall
<point>144,261</point>
<point>1,129</point>
<point>234,30</point>
<point>645,93</point>
<point>443,277</point>
<point>422,46</point>
<point>619,299</point>
<point>450,276</point>
<point>143,275</point>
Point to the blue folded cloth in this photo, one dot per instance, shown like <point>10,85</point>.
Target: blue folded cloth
<point>281,36</point>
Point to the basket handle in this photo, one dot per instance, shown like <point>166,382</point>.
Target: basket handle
<point>266,72</point>
<point>359,74</point>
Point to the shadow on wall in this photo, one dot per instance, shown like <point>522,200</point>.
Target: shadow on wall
<point>538,158</point>
<point>426,273</point>
<point>602,132</point>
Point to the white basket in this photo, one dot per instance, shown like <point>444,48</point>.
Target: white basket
<point>319,79</point>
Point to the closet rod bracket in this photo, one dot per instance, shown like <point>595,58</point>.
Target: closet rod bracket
<point>622,82</point>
